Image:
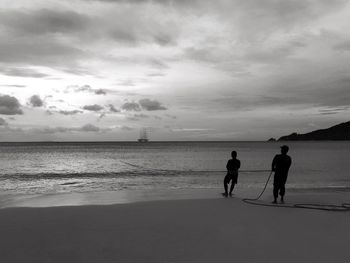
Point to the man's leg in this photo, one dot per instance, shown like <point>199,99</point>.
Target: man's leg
<point>275,192</point>
<point>226,181</point>
<point>232,187</point>
<point>282,192</point>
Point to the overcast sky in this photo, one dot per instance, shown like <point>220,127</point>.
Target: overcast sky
<point>184,69</point>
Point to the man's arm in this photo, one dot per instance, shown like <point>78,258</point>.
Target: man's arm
<point>290,162</point>
<point>273,166</point>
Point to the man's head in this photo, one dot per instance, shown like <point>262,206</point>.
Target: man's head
<point>234,154</point>
<point>284,149</point>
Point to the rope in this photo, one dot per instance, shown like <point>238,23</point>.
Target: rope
<point>344,207</point>
<point>196,171</point>
<point>250,200</point>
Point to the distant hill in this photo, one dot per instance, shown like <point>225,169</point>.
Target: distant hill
<point>334,133</point>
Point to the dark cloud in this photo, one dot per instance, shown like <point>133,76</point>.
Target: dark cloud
<point>85,128</point>
<point>253,15</point>
<point>100,92</point>
<point>137,117</point>
<point>343,46</point>
<point>39,38</point>
<point>296,91</point>
<point>94,107</point>
<point>69,112</point>
<point>39,51</point>
<point>156,74</point>
<point>85,88</point>
<point>126,128</point>
<point>151,105</point>
<point>334,110</point>
<point>51,130</point>
<point>43,21</point>
<point>9,105</point>
<point>22,72</point>
<point>3,122</point>
<point>36,101</point>
<point>131,106</point>
<point>157,117</point>
<point>89,128</point>
<point>156,63</point>
<point>171,116</point>
<point>112,108</point>
<point>141,116</point>
<point>102,115</point>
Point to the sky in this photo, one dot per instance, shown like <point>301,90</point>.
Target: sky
<point>91,70</point>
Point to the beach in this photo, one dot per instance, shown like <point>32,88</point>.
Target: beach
<point>194,229</point>
<point>162,202</point>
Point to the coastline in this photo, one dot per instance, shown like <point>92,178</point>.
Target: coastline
<point>333,194</point>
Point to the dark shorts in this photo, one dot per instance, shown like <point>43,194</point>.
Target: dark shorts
<point>233,175</point>
<point>280,179</point>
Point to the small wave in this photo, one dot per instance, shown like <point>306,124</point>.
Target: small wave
<point>129,173</point>
<point>38,176</point>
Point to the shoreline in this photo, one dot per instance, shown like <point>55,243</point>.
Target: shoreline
<point>136,196</point>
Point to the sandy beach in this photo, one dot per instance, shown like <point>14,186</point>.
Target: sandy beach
<point>190,230</point>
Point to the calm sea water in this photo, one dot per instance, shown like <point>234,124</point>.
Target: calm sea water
<point>31,168</point>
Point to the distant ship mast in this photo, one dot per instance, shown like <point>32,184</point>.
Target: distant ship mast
<point>143,136</point>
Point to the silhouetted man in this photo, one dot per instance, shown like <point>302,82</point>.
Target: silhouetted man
<point>232,167</point>
<point>280,165</point>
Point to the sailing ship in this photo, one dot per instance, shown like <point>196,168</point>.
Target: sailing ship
<point>143,136</point>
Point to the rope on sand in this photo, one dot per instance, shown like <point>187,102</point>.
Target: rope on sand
<point>345,207</point>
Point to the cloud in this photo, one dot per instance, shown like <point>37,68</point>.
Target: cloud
<point>131,106</point>
<point>61,38</point>
<point>151,105</point>
<point>89,128</point>
<point>85,128</point>
<point>69,112</point>
<point>94,107</point>
<point>141,116</point>
<point>126,128</point>
<point>22,72</point>
<point>14,86</point>
<point>38,51</point>
<point>36,101</point>
<point>100,92</point>
<point>112,108</point>
<point>137,117</point>
<point>3,122</point>
<point>343,46</point>
<point>156,74</point>
<point>43,21</point>
<point>192,130</point>
<point>85,88</point>
<point>10,105</point>
<point>171,116</point>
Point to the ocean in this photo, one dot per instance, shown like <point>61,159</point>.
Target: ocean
<point>48,167</point>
